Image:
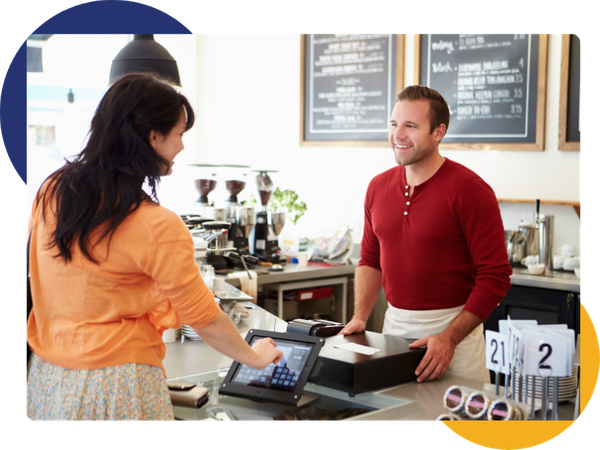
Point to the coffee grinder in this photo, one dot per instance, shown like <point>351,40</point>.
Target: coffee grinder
<point>206,182</point>
<point>240,217</point>
<point>234,177</point>
<point>268,225</point>
<point>243,224</point>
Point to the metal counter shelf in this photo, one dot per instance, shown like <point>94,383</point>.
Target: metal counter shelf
<point>559,280</point>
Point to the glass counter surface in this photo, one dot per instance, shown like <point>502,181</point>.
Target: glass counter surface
<point>323,403</point>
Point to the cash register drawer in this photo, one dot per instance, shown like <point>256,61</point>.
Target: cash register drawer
<point>356,373</point>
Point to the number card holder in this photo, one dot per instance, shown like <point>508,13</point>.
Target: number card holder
<point>496,352</point>
<point>547,355</point>
<point>503,324</point>
<point>511,329</point>
<point>515,346</point>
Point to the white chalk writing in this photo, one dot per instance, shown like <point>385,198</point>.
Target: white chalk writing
<point>442,45</point>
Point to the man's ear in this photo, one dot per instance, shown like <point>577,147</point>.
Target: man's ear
<point>439,132</point>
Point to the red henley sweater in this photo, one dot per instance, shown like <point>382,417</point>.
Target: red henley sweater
<point>440,248</point>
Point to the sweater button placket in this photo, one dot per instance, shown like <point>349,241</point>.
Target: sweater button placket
<point>407,203</point>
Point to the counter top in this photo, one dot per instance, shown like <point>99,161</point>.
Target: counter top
<point>195,361</point>
<point>559,280</point>
<point>293,272</point>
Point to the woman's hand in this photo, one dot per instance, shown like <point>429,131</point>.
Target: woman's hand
<point>267,353</point>
<point>222,335</point>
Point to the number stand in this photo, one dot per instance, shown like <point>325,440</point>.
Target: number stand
<point>546,396</point>
<point>498,382</point>
<point>554,398</point>
<point>532,411</point>
<point>536,353</point>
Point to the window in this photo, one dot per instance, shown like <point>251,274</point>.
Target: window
<point>62,99</point>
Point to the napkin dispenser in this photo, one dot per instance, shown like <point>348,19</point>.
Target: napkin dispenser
<point>355,373</point>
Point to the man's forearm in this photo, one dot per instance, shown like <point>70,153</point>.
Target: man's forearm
<point>367,287</point>
<point>460,327</point>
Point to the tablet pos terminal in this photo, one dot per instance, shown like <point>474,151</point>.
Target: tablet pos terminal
<point>282,382</point>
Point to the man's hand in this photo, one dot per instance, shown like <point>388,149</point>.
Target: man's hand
<point>440,347</point>
<point>436,359</point>
<point>354,326</point>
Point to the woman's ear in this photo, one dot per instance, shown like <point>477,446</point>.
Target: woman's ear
<point>154,138</point>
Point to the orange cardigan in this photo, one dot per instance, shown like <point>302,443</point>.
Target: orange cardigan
<point>89,316</point>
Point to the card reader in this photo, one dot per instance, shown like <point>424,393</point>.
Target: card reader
<point>319,327</point>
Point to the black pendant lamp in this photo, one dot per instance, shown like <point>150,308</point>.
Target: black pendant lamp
<point>144,54</point>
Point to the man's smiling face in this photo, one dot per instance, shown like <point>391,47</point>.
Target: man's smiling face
<point>410,135</point>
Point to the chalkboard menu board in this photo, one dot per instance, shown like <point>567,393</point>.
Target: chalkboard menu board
<point>348,88</point>
<point>494,86</point>
<point>569,132</point>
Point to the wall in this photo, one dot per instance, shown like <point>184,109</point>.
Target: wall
<point>248,112</point>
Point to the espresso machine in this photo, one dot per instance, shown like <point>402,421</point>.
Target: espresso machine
<point>211,244</point>
<point>268,225</point>
<point>216,235</point>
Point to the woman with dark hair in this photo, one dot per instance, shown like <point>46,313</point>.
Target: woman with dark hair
<point>111,269</point>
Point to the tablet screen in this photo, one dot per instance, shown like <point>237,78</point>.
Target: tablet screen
<point>281,376</point>
<point>282,382</point>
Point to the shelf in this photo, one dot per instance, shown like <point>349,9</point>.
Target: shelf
<point>340,292</point>
<point>576,205</point>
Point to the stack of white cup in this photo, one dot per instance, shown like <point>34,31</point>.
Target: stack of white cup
<point>566,259</point>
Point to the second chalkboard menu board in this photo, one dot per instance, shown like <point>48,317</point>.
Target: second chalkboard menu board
<point>569,135</point>
<point>348,88</point>
<point>495,86</point>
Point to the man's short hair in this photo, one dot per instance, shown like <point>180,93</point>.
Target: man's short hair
<point>438,108</point>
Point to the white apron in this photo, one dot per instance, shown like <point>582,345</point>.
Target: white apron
<point>469,356</point>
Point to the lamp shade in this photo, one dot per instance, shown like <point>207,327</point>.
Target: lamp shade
<point>144,54</point>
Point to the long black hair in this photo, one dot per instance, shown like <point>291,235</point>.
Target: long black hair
<point>95,192</point>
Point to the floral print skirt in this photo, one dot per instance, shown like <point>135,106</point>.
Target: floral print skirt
<point>124,392</point>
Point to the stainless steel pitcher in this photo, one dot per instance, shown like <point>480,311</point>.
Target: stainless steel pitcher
<point>546,231</point>
<point>532,238</point>
<point>515,247</point>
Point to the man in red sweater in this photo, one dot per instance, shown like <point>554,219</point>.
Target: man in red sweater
<point>434,240</point>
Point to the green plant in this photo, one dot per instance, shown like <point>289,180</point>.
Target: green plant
<point>288,199</point>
